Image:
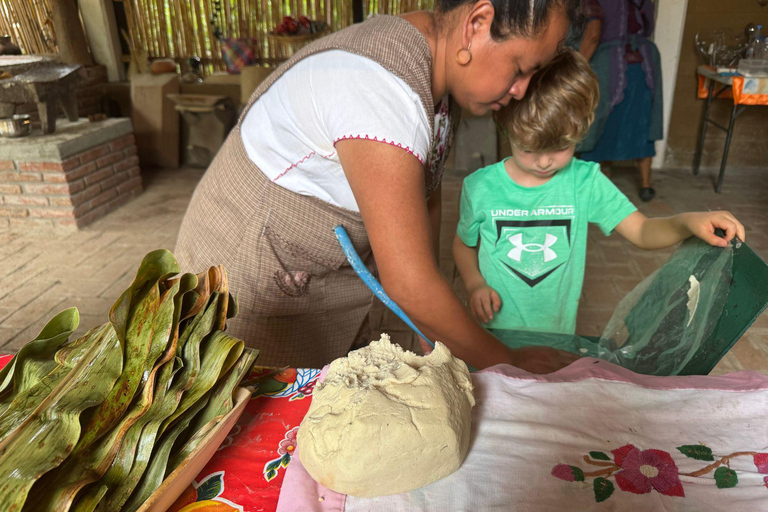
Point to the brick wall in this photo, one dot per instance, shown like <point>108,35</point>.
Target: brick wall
<point>73,192</point>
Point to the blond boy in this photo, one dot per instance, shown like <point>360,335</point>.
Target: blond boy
<point>522,237</point>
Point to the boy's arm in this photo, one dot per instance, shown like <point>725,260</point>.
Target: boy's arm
<point>467,264</point>
<point>484,301</point>
<point>663,232</point>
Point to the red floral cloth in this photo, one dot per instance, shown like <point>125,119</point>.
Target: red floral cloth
<point>247,471</point>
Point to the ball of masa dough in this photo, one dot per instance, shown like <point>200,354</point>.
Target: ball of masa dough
<point>386,421</point>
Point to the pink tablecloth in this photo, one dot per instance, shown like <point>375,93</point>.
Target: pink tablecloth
<point>592,437</point>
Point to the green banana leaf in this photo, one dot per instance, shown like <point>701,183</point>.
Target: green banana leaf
<point>197,302</point>
<point>165,371</point>
<point>191,339</point>
<point>220,403</point>
<point>138,340</point>
<point>155,472</point>
<point>162,407</point>
<point>92,456</point>
<point>123,461</point>
<point>122,465</point>
<point>218,354</point>
<point>156,266</point>
<point>88,501</point>
<point>223,289</point>
<point>48,435</point>
<point>35,359</point>
<point>59,487</point>
<point>27,400</point>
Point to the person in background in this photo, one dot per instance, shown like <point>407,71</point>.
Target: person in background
<point>628,118</point>
<point>521,242</point>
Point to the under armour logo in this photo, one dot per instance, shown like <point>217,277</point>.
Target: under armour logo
<point>517,253</point>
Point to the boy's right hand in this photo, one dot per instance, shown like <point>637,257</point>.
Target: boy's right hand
<point>484,301</point>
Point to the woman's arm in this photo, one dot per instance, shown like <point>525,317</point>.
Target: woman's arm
<point>663,232</point>
<point>591,38</point>
<point>389,188</point>
<point>435,208</point>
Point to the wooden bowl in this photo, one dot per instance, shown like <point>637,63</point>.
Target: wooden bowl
<point>175,484</point>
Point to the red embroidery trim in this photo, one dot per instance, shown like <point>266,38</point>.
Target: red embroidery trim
<point>390,142</point>
<point>293,166</point>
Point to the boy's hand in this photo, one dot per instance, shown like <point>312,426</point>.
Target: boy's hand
<point>703,225</point>
<point>484,301</point>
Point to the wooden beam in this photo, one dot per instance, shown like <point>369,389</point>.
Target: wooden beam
<point>70,38</point>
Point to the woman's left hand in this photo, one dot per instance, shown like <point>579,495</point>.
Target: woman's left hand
<point>703,225</point>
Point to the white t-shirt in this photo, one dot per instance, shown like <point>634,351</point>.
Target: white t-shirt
<point>291,130</point>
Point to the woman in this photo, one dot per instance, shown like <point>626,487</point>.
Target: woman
<point>354,130</point>
<point>629,117</point>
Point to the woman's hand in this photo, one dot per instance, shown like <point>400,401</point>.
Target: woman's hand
<point>542,359</point>
<point>484,301</point>
<point>703,225</point>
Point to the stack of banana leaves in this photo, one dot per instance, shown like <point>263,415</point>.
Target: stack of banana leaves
<point>97,423</point>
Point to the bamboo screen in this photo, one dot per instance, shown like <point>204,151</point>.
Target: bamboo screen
<point>29,25</point>
<point>179,29</point>
<point>182,28</point>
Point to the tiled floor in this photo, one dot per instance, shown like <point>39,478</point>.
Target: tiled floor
<point>44,272</point>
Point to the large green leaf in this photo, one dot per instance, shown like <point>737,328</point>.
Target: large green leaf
<point>191,339</point>
<point>144,338</point>
<point>218,354</point>
<point>87,465</point>
<point>162,407</point>
<point>87,502</point>
<point>48,435</point>
<point>27,400</point>
<point>156,470</point>
<point>155,267</point>
<point>124,473</point>
<point>35,359</point>
<point>220,403</point>
<point>92,456</point>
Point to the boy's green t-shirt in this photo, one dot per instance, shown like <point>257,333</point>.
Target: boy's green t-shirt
<point>533,240</point>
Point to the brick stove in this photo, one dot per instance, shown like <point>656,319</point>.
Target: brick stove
<point>69,178</point>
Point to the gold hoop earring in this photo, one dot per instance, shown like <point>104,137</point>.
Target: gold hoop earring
<point>464,56</point>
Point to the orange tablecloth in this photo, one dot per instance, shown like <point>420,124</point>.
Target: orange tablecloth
<point>745,90</point>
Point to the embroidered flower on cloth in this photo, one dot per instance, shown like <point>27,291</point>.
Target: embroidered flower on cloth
<point>761,461</point>
<point>568,473</point>
<point>642,471</point>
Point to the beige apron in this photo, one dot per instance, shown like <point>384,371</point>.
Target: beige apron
<point>300,302</point>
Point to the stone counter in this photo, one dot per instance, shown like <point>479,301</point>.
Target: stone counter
<point>69,178</point>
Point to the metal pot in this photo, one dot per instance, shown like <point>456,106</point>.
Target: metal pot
<point>15,126</point>
<point>7,47</point>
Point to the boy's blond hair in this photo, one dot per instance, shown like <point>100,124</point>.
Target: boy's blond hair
<point>558,107</point>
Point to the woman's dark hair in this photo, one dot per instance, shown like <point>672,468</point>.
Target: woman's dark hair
<point>522,18</point>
